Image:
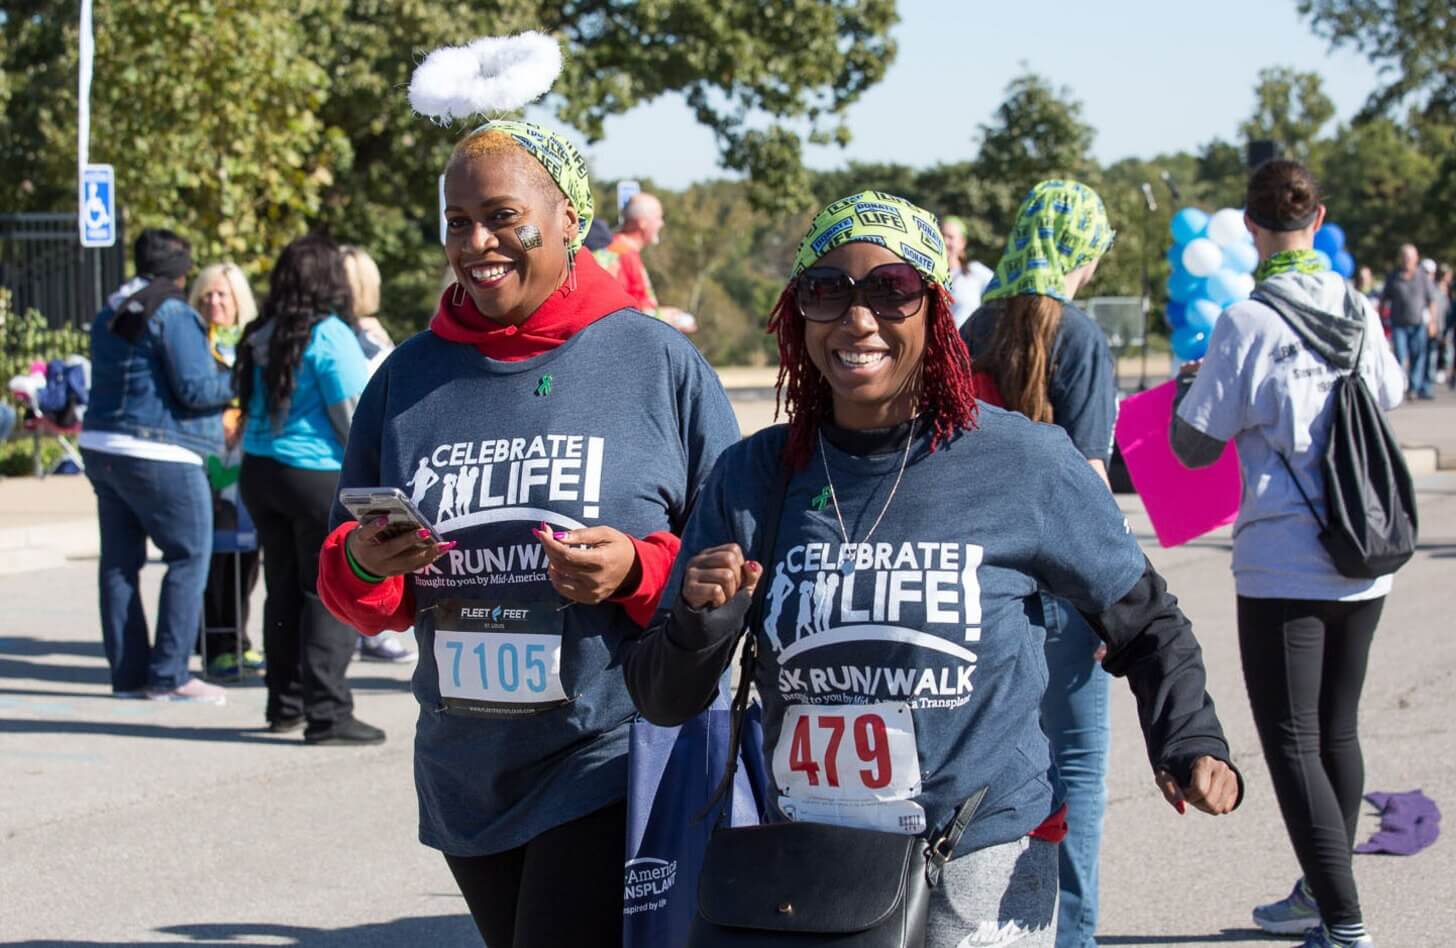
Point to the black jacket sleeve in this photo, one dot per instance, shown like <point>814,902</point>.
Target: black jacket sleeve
<point>1191,446</point>
<point>1150,643</point>
<point>673,669</point>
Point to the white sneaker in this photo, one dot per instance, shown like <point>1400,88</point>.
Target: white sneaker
<point>195,690</point>
<point>382,648</point>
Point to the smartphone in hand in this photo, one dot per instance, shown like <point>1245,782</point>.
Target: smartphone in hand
<point>371,503</point>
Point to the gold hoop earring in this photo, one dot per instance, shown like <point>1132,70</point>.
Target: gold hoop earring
<point>457,295</point>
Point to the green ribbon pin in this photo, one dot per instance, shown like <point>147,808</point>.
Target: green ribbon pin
<point>821,499</point>
<point>543,387</point>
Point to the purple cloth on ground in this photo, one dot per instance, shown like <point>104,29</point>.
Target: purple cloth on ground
<point>1409,822</point>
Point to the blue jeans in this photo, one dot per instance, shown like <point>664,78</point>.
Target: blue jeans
<point>1074,716</point>
<point>7,421</point>
<point>1410,351</point>
<point>169,502</point>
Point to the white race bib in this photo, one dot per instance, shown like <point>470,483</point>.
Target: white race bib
<point>850,765</point>
<point>498,659</point>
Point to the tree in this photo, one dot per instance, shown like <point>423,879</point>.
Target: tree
<point>1037,132</point>
<point>244,122</point>
<point>1414,41</point>
<point>1375,179</point>
<point>1291,108</point>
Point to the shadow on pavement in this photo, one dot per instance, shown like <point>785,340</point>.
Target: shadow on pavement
<point>438,930</point>
<point>18,669</point>
<point>31,647</point>
<point>1223,937</point>
<point>234,735</point>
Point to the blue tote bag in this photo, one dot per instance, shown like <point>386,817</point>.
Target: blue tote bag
<point>671,775</point>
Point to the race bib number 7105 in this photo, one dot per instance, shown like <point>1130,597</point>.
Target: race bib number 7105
<point>853,765</point>
<point>500,659</point>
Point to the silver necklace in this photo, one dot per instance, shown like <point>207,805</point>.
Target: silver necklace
<point>847,566</point>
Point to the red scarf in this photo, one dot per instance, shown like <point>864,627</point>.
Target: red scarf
<point>563,315</point>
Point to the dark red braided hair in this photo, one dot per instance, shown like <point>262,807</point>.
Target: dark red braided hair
<point>947,392</point>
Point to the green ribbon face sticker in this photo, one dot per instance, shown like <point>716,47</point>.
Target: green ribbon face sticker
<point>1061,226</point>
<point>909,232</point>
<point>561,160</point>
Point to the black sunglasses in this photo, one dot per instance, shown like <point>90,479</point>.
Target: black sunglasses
<point>893,291</point>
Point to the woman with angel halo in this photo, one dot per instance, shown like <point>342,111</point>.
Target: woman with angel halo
<point>584,473</point>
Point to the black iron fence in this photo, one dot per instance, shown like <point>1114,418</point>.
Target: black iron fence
<point>45,267</point>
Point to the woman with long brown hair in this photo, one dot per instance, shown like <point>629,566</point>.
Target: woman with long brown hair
<point>1035,352</point>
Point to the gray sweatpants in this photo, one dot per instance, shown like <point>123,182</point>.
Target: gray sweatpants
<point>1001,895</point>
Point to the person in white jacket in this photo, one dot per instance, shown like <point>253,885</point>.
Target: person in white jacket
<point>1304,629</point>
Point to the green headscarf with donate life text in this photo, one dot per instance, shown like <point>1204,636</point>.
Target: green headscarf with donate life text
<point>1061,226</point>
<point>909,232</point>
<point>562,162</point>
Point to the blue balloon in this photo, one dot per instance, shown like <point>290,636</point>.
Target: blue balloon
<point>1240,257</point>
<point>1184,286</point>
<point>1330,238</point>
<point>1175,255</point>
<point>1325,262</point>
<point>1176,315</point>
<point>1345,264</point>
<point>1224,286</point>
<point>1203,313</point>
<point>1189,343</point>
<point>1188,224</point>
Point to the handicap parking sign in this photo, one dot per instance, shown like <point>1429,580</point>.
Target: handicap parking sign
<point>98,206</point>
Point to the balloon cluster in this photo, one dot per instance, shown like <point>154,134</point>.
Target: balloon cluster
<point>1213,260</point>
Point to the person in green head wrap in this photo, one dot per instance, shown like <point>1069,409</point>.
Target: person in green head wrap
<point>555,439</point>
<point>1035,352</point>
<point>912,532</point>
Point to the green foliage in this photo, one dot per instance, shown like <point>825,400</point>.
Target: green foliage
<point>244,123</point>
<point>1290,107</point>
<point>1412,41</point>
<point>17,456</point>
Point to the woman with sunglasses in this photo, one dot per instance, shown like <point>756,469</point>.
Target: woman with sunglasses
<point>901,661</point>
<point>556,439</point>
<point>1038,354</point>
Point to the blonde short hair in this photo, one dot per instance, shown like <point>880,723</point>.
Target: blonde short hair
<point>237,282</point>
<point>363,276</point>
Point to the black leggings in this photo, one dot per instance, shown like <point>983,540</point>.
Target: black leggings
<point>1304,665</point>
<point>308,649</point>
<point>562,888</point>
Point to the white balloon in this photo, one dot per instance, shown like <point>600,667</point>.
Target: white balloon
<point>1202,257</point>
<point>1226,227</point>
<point>1245,284</point>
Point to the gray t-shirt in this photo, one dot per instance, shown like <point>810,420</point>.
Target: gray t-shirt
<point>1409,297</point>
<point>1260,387</point>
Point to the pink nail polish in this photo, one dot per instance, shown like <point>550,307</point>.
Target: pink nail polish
<point>559,535</point>
<point>423,534</point>
<point>380,522</point>
<point>444,547</point>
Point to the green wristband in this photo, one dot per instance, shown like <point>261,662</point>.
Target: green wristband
<point>360,571</point>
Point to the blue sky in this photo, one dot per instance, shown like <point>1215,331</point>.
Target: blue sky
<point>1152,77</point>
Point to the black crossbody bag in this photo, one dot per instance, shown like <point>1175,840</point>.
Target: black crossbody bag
<point>792,885</point>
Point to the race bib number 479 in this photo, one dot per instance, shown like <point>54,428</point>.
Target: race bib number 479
<point>851,765</point>
<point>498,659</point>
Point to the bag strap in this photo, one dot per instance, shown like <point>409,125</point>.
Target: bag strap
<point>768,538</point>
<point>1300,487</point>
<point>942,848</point>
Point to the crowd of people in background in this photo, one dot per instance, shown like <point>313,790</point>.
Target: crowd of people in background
<point>209,413</point>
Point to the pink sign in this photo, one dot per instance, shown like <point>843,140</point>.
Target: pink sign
<point>1183,503</point>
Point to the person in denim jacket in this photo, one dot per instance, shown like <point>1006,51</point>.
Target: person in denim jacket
<point>157,398</point>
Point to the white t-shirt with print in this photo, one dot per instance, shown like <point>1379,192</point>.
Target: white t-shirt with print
<point>1261,388</point>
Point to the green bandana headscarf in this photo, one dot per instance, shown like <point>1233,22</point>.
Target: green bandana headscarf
<point>909,232</point>
<point>561,160</point>
<point>1061,226</point>
<point>1289,261</point>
